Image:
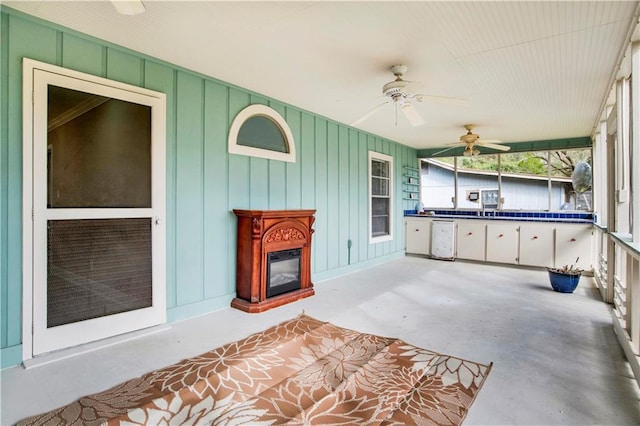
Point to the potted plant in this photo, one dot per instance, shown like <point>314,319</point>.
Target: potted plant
<point>566,278</point>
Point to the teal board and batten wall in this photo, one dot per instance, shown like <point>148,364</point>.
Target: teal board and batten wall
<point>204,182</point>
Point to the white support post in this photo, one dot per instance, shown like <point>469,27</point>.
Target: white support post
<point>602,176</point>
<point>635,143</point>
<point>611,205</point>
<point>633,291</point>
<point>622,163</point>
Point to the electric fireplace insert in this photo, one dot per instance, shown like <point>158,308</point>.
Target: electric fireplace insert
<point>283,271</point>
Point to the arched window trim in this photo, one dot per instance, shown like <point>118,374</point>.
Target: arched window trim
<point>277,119</point>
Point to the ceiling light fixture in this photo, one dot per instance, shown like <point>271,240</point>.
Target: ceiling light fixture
<point>470,151</point>
<point>129,7</point>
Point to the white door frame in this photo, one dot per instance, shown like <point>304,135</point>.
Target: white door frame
<point>36,76</point>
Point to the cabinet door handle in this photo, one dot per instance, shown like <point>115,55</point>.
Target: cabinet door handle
<point>501,235</point>
<point>417,230</point>
<point>470,233</point>
<point>535,237</point>
<point>573,240</point>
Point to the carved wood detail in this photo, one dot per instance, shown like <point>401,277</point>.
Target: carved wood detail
<point>284,234</point>
<point>261,232</point>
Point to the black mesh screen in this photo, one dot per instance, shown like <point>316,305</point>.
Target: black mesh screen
<point>97,267</point>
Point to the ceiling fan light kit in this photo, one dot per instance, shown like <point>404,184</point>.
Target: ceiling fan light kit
<point>471,152</point>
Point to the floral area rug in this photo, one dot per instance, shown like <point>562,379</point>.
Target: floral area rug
<point>302,371</point>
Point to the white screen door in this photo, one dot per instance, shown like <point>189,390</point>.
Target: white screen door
<point>97,224</point>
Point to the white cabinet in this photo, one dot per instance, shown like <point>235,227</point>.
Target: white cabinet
<point>502,242</point>
<point>572,242</point>
<point>525,243</point>
<point>417,235</point>
<point>470,239</point>
<point>536,244</point>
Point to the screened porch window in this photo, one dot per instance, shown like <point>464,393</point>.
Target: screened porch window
<point>532,181</point>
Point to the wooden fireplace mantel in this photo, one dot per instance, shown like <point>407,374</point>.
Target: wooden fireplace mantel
<point>259,233</point>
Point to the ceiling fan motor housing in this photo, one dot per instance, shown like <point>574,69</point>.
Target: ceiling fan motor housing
<point>469,137</point>
<point>395,89</point>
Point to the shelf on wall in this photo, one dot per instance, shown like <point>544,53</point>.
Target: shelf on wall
<point>411,183</point>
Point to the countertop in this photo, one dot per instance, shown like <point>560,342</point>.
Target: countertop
<point>488,216</point>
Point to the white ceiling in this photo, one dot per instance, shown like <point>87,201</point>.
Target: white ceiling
<point>529,70</point>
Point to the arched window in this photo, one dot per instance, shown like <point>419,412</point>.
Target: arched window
<point>259,131</point>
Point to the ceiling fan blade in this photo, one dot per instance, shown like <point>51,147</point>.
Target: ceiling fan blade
<point>411,85</point>
<point>128,7</point>
<point>444,150</point>
<point>440,99</point>
<point>493,145</point>
<point>369,114</point>
<point>412,114</point>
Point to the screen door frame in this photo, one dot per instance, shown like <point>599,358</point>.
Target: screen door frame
<point>37,338</point>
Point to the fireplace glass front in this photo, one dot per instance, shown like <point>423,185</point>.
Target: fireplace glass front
<point>283,271</point>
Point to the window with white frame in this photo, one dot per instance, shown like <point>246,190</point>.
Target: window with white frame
<point>260,131</point>
<point>380,197</point>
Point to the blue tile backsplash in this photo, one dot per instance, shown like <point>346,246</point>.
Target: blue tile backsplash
<point>524,216</point>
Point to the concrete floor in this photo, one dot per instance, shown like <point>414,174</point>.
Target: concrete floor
<point>556,358</point>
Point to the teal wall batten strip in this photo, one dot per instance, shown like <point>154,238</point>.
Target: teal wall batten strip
<point>105,61</point>
<point>320,248</point>
<point>342,184</point>
<point>59,50</point>
<point>363,198</point>
<point>293,186</point>
<point>277,172</point>
<point>4,181</point>
<point>203,167</point>
<point>203,182</point>
<point>200,308</point>
<point>190,214</point>
<point>216,196</point>
<point>332,224</point>
<point>353,252</point>
<point>10,356</point>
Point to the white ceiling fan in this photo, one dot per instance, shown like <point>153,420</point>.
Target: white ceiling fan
<point>396,92</point>
<point>470,140</point>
